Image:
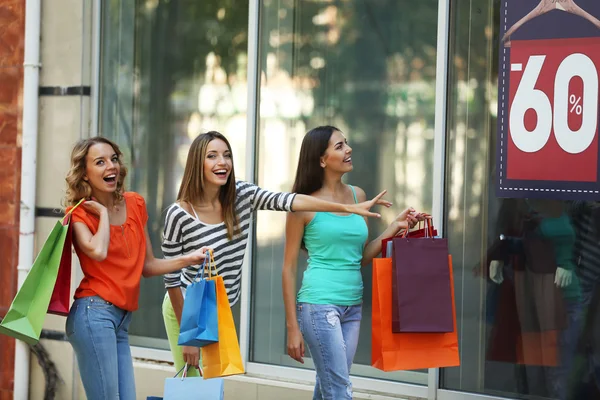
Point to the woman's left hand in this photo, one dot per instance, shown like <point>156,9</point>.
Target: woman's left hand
<point>364,207</point>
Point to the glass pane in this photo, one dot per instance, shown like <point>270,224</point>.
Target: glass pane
<point>367,67</point>
<point>470,139</point>
<point>170,70</point>
<point>520,335</point>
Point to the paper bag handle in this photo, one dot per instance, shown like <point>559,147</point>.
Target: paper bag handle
<point>212,266</point>
<point>72,209</point>
<point>428,228</point>
<point>185,369</point>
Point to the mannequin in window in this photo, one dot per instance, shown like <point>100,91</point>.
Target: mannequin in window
<point>548,241</point>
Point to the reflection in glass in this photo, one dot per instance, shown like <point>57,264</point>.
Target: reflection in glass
<point>526,270</point>
<point>368,68</point>
<point>170,70</point>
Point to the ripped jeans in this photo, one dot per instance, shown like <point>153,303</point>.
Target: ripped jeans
<point>331,334</point>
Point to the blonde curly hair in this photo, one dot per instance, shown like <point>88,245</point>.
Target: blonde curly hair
<point>77,187</point>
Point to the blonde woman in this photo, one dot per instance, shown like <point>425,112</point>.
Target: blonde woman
<point>112,243</point>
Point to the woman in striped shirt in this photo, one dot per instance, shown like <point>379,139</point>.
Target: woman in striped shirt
<point>213,210</point>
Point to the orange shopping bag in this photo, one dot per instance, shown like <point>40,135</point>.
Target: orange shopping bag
<point>509,344</point>
<point>538,348</point>
<point>224,357</point>
<point>406,351</point>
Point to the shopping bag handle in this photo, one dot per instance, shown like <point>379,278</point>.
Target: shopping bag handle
<point>72,209</point>
<point>428,228</point>
<point>200,272</point>
<point>211,266</point>
<point>185,369</point>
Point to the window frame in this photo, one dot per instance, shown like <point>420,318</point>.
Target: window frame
<point>432,389</point>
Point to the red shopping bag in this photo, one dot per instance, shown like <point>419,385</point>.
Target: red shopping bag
<point>427,231</point>
<point>406,351</point>
<point>61,296</point>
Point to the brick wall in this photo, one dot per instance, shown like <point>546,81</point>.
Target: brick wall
<point>12,35</point>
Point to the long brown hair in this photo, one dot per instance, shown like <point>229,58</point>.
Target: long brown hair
<point>310,174</point>
<point>192,183</point>
<point>77,187</point>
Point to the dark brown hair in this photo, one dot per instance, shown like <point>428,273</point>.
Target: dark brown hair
<point>310,174</point>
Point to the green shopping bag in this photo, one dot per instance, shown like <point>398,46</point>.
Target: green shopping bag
<point>25,317</point>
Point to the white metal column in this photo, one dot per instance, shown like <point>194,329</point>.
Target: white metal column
<point>252,119</point>
<point>96,51</point>
<point>31,78</point>
<point>439,149</point>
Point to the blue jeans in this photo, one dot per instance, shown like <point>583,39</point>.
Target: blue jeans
<point>567,342</point>
<point>331,334</point>
<point>589,290</point>
<point>98,332</point>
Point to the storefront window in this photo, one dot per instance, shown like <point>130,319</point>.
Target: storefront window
<point>368,68</point>
<point>522,328</point>
<point>170,70</point>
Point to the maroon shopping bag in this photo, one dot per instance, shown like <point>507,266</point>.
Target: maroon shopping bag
<point>61,296</point>
<point>421,289</point>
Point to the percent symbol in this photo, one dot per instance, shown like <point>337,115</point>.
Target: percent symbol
<point>574,101</point>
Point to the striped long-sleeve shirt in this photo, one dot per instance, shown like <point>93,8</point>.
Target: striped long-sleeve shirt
<point>183,233</point>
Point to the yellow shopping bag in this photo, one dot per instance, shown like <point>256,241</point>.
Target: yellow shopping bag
<point>224,357</point>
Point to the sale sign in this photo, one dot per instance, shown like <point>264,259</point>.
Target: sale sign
<point>548,99</point>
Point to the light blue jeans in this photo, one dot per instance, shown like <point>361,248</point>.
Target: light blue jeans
<point>331,334</point>
<point>98,332</point>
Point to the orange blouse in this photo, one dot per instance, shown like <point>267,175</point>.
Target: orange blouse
<point>117,278</point>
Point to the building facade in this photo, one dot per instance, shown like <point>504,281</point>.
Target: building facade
<point>413,85</point>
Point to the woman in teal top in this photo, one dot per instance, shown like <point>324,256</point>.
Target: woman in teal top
<point>328,308</point>
<point>335,245</point>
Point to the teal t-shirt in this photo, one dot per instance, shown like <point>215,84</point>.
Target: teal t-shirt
<point>335,246</point>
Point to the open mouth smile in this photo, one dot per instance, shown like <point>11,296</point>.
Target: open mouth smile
<point>221,173</point>
<point>112,178</point>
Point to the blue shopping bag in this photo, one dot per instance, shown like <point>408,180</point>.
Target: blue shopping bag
<point>199,319</point>
<point>186,388</point>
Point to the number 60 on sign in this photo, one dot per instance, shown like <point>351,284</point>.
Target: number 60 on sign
<point>553,110</point>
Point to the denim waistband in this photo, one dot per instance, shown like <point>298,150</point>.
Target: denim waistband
<point>93,299</point>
